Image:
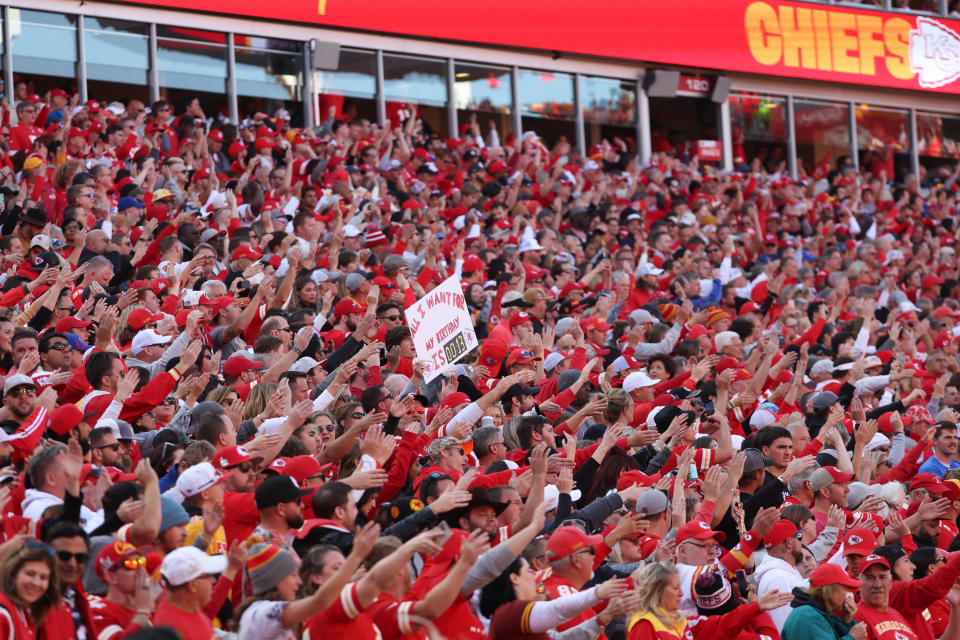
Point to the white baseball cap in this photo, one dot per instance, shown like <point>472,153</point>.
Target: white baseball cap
<point>648,269</point>
<point>351,231</point>
<point>304,365</point>
<point>637,380</point>
<point>182,565</point>
<point>551,496</point>
<point>553,360</point>
<point>147,338</point>
<point>198,478</point>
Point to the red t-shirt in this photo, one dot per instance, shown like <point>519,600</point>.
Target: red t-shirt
<point>884,625</point>
<point>22,137</point>
<point>192,626</point>
<point>109,618</point>
<point>393,619</point>
<point>345,618</point>
<point>558,587</point>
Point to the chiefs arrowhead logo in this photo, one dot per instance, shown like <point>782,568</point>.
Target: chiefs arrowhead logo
<point>854,540</point>
<point>703,525</point>
<point>279,463</point>
<point>934,53</point>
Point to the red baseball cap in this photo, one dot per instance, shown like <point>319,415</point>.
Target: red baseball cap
<point>112,555</point>
<point>69,323</point>
<point>859,541</point>
<point>782,531</point>
<point>473,263</point>
<point>568,540</point>
<point>698,330</point>
<point>929,482</point>
<point>519,356</point>
<point>636,479</point>
<point>232,456</point>
<point>829,573</point>
<point>728,362</point>
<point>159,285</point>
<point>953,488</point>
<point>345,306</point>
<point>455,399</point>
<point>698,530</point>
<point>930,281</point>
<point>139,318</point>
<point>520,318</point>
<point>246,251</point>
<point>871,560</point>
<point>235,365</point>
<point>216,135</point>
<point>492,352</point>
<point>300,468</point>
<point>64,418</point>
<point>594,323</point>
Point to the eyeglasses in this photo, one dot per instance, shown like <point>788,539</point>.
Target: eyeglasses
<point>133,563</point>
<point>22,391</point>
<point>66,556</point>
<point>285,329</point>
<point>243,467</point>
<point>330,428</point>
<point>113,447</point>
<point>574,522</point>
<point>709,547</point>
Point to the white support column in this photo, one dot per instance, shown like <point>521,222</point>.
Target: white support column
<point>307,98</point>
<point>791,140</point>
<point>515,96</point>
<point>232,103</point>
<point>644,137</point>
<point>154,72</point>
<point>914,142</point>
<point>726,134</point>
<point>7,57</point>
<point>452,123</point>
<point>852,123</point>
<point>578,115</point>
<point>81,70</point>
<point>381,98</point>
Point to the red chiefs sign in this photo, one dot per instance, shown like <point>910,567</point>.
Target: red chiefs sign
<point>772,37</point>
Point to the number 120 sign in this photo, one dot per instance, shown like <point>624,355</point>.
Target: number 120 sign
<point>441,327</point>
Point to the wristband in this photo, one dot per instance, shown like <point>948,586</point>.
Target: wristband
<point>299,352</point>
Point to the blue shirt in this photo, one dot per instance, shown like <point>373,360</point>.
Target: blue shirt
<point>937,468</point>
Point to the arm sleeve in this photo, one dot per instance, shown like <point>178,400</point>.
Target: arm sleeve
<point>545,615</point>
<point>487,567</point>
<point>820,548</point>
<point>897,448</point>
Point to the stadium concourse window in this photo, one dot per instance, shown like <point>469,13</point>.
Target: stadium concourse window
<point>117,58</point>
<point>420,82</point>
<point>44,47</point>
<point>609,110</point>
<point>484,92</point>
<point>546,105</point>
<point>192,64</point>
<point>269,77</point>
<point>822,133</point>
<point>351,90</point>
<point>677,123</point>
<point>759,128</point>
<point>883,140</point>
<point>938,139</point>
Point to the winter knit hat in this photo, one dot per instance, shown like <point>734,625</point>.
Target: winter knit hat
<point>267,565</point>
<point>715,595</point>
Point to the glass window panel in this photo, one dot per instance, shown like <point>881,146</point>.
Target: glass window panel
<point>43,43</point>
<point>546,95</point>
<point>883,140</point>
<point>609,110</point>
<point>351,90</point>
<point>758,125</point>
<point>270,76</point>
<point>546,106</point>
<point>938,136</point>
<point>416,81</point>
<point>484,92</point>
<point>191,59</point>
<point>821,128</point>
<point>116,50</point>
<point>192,63</point>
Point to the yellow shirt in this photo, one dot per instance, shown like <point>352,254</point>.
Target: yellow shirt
<point>217,546</point>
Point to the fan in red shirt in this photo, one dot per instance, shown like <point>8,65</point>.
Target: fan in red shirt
<point>883,623</point>
<point>122,609</point>
<point>23,135</point>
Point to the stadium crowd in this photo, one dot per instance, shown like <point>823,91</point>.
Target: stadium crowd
<point>704,403</point>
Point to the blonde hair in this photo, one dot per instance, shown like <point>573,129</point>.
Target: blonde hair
<point>650,583</point>
<point>824,593</point>
<point>257,399</point>
<point>617,400</point>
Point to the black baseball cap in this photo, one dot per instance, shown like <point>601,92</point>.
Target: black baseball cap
<point>278,490</point>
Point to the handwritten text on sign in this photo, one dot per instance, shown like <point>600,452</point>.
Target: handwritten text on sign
<point>441,327</point>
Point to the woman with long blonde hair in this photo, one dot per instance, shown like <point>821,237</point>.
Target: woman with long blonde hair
<point>659,617</point>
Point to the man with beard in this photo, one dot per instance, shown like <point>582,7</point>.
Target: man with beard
<point>281,511</point>
<point>19,397</point>
<point>778,571</point>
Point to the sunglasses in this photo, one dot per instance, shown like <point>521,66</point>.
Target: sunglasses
<point>327,427</point>
<point>243,467</point>
<point>358,415</point>
<point>390,318</point>
<point>22,391</point>
<point>170,401</point>
<point>65,556</point>
<point>133,563</point>
<point>113,447</point>
<point>61,346</point>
